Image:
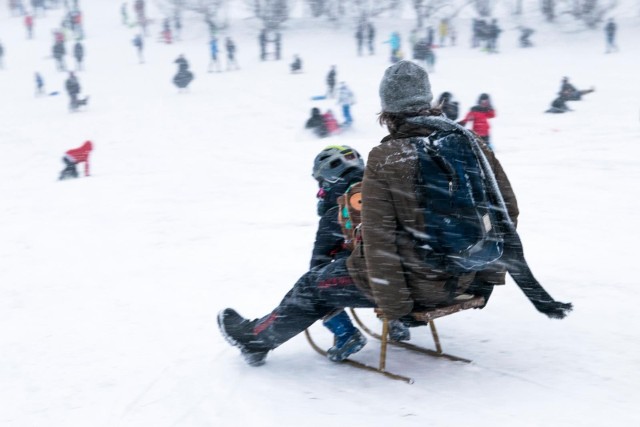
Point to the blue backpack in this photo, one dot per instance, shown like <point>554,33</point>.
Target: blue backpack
<point>462,231</point>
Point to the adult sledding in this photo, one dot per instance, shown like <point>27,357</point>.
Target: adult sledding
<point>394,267</point>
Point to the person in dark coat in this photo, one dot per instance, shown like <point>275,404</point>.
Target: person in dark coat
<point>39,84</point>
<point>78,53</point>
<point>559,106</point>
<point>493,32</point>
<point>331,82</point>
<point>59,51</point>
<point>371,36</point>
<point>610,31</point>
<point>1,56</point>
<point>360,38</point>
<point>138,42</point>
<point>525,33</point>
<point>448,106</point>
<point>386,270</point>
<point>232,63</point>
<point>183,77</point>
<point>73,89</point>
<point>296,65</point>
<point>569,91</point>
<point>262,40</point>
<point>316,123</point>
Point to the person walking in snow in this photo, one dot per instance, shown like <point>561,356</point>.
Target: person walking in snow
<point>74,157</point>
<point>39,84</point>
<point>371,37</point>
<point>124,14</point>
<point>493,32</point>
<point>232,62</point>
<point>138,42</point>
<point>78,54</point>
<point>1,56</point>
<point>331,82</point>
<point>346,99</point>
<point>73,89</point>
<point>479,116</point>
<point>391,273</point>
<point>28,23</point>
<point>395,45</point>
<point>360,37</point>
<point>59,51</point>
<point>213,51</point>
<point>610,31</point>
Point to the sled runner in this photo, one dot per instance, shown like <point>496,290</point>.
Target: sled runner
<point>427,317</point>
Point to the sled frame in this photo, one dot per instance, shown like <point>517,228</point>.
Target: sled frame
<point>426,316</point>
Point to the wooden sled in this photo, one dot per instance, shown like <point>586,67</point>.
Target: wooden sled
<point>426,316</point>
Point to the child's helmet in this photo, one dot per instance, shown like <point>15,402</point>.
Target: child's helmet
<point>332,163</point>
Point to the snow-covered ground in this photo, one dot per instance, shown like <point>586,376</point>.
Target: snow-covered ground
<point>109,285</point>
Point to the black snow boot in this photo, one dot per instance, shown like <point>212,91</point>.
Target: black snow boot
<point>398,331</point>
<point>238,332</point>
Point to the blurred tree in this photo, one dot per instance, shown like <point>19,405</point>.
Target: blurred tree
<point>271,12</point>
<point>211,10</point>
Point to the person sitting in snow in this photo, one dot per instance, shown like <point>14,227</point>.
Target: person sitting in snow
<point>330,123</point>
<point>448,106</point>
<point>316,123</point>
<point>183,77</point>
<point>559,105</point>
<point>296,65</point>
<point>569,91</point>
<point>385,269</point>
<point>337,168</point>
<point>75,156</point>
<point>73,89</point>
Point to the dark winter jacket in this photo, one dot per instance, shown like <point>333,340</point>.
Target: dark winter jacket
<point>331,78</point>
<point>480,116</point>
<point>78,51</point>
<point>183,78</point>
<point>449,108</point>
<point>387,266</point>
<point>329,243</point>
<point>182,63</point>
<point>316,123</point>
<point>73,86</point>
<point>560,104</point>
<point>59,50</point>
<point>610,29</point>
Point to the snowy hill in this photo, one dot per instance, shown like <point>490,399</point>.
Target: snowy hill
<point>109,285</point>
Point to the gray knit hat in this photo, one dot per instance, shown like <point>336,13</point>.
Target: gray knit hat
<point>405,88</point>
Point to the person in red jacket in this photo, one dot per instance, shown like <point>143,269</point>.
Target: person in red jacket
<point>28,23</point>
<point>480,115</point>
<point>73,157</point>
